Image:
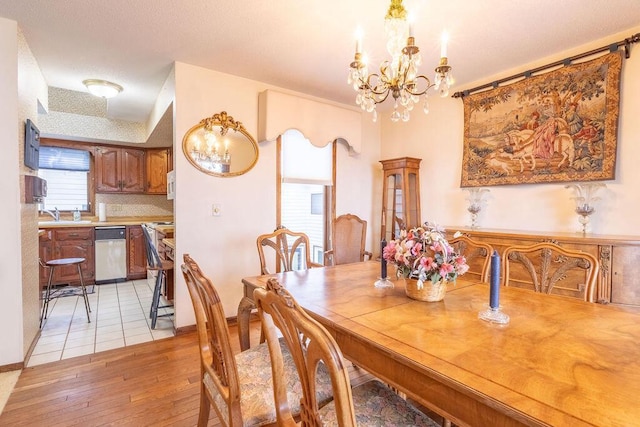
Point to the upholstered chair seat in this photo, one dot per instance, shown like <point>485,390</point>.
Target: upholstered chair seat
<point>256,386</point>
<point>378,405</point>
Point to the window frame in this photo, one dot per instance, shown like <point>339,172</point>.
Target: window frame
<point>330,191</point>
<point>78,145</point>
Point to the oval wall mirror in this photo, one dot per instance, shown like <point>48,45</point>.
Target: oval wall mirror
<point>220,146</point>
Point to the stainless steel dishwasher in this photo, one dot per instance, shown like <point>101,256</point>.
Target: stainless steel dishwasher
<point>111,254</point>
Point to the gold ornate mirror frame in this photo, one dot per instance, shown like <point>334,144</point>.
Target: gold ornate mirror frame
<point>212,149</point>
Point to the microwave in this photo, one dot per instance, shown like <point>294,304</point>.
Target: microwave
<point>171,185</point>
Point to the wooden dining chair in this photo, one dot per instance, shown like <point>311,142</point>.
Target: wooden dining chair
<point>551,269</point>
<point>239,387</point>
<point>291,251</point>
<point>477,254</point>
<point>348,239</point>
<point>312,347</point>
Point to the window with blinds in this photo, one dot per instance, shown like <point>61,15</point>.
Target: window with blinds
<point>66,171</point>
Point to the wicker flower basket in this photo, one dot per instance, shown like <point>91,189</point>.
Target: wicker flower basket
<point>425,291</point>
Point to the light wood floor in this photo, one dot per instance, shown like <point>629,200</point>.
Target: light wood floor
<point>154,383</point>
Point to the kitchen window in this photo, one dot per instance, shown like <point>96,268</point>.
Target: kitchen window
<point>66,171</point>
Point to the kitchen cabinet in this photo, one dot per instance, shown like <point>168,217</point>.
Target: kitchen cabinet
<point>119,170</point>
<point>68,242</point>
<point>45,253</point>
<point>159,162</point>
<point>619,257</point>
<point>136,253</point>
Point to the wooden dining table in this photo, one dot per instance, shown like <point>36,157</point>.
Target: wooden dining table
<point>558,362</point>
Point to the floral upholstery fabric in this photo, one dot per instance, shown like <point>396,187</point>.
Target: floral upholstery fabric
<point>256,386</point>
<point>377,405</point>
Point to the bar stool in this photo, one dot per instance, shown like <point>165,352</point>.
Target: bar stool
<point>161,267</point>
<point>48,296</point>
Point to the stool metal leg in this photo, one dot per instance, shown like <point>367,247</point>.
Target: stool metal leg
<point>84,294</point>
<point>47,297</point>
<point>155,302</point>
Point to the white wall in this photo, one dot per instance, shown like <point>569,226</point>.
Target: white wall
<point>32,94</point>
<point>224,246</point>
<point>438,137</point>
<point>10,270</point>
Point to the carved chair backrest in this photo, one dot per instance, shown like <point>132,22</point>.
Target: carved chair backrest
<point>348,239</point>
<point>552,269</point>
<point>291,251</point>
<point>309,343</point>
<point>477,254</point>
<point>216,354</point>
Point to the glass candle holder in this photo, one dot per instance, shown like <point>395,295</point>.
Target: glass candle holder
<point>584,196</point>
<point>475,203</point>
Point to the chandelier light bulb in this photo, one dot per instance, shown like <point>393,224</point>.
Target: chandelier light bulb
<point>444,39</point>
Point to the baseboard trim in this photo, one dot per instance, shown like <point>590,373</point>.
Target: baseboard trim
<point>185,329</point>
<point>231,321</point>
<point>31,348</point>
<point>12,367</point>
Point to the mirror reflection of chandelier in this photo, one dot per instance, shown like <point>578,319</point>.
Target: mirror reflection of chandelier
<point>211,156</point>
<point>398,77</point>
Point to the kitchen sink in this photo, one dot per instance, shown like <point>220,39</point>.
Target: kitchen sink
<point>64,222</point>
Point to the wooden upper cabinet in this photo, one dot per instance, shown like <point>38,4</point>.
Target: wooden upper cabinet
<point>120,170</point>
<point>159,162</point>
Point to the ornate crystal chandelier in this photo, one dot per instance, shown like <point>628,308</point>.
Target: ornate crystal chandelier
<point>398,77</point>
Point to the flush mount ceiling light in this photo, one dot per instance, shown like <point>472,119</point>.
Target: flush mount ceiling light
<point>102,88</point>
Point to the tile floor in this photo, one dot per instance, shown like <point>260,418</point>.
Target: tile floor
<point>119,317</point>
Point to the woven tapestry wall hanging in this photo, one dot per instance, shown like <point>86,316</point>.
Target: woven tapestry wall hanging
<point>560,126</point>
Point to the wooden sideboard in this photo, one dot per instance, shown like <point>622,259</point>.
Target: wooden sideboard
<point>619,256</point>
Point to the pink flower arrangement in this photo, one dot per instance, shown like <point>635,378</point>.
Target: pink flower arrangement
<point>423,253</point>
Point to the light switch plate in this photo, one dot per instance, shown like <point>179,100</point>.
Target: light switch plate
<point>216,209</point>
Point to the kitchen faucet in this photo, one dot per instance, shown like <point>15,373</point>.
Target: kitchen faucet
<point>55,214</point>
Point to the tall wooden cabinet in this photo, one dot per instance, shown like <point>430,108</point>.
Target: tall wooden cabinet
<point>159,162</point>
<point>120,170</point>
<point>400,196</point>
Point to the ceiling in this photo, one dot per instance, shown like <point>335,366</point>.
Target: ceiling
<point>301,45</point>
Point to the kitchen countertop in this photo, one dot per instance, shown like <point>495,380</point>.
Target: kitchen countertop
<point>93,222</point>
<point>170,242</point>
<point>165,228</point>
